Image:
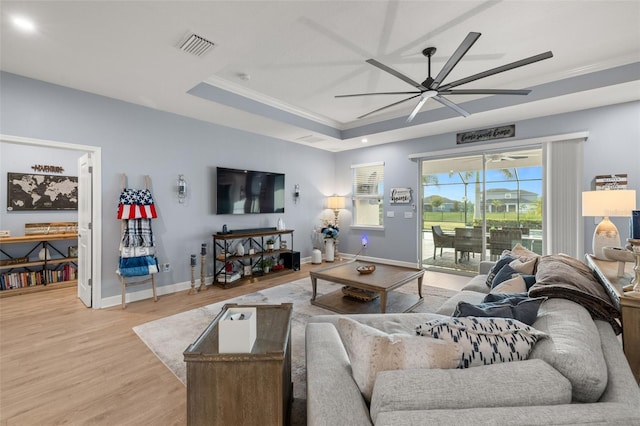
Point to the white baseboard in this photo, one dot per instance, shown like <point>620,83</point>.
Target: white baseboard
<point>147,293</point>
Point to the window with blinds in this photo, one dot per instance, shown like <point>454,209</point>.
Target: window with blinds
<point>368,194</point>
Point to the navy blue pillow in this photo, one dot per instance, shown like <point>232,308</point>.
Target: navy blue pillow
<point>504,274</point>
<point>503,261</point>
<point>529,280</point>
<point>512,298</point>
<point>525,311</point>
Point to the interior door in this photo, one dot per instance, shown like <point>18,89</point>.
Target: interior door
<point>85,200</point>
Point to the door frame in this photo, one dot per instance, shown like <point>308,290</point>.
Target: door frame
<point>495,146</point>
<point>96,210</point>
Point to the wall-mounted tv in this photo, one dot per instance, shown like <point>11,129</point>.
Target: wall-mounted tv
<point>248,191</point>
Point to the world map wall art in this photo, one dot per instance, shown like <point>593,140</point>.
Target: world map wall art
<point>28,191</point>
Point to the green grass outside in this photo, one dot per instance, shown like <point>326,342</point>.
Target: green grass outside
<point>451,220</point>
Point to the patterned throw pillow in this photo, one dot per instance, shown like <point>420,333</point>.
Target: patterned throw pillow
<point>371,350</point>
<point>484,340</point>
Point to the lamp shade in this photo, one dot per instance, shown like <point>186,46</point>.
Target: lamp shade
<point>608,203</point>
<point>337,202</point>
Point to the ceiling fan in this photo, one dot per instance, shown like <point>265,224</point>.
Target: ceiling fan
<point>432,88</point>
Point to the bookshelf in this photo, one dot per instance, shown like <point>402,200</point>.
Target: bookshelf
<point>27,273</point>
<point>231,269</point>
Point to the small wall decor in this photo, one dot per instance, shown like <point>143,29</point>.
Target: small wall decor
<point>400,195</point>
<point>613,181</point>
<point>486,134</point>
<point>27,191</point>
<point>47,168</point>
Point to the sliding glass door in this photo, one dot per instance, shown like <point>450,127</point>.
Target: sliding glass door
<point>475,206</point>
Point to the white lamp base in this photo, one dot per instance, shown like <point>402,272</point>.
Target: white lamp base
<point>605,235</point>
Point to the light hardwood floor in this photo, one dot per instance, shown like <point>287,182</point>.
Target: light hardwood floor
<point>61,363</point>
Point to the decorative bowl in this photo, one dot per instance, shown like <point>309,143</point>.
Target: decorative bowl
<point>366,269</point>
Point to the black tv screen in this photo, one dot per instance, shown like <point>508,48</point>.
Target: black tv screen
<point>248,191</point>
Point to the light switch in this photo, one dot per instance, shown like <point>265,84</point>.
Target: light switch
<point>391,214</point>
<point>408,215</point>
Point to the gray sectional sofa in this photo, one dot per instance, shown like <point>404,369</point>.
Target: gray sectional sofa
<point>578,375</point>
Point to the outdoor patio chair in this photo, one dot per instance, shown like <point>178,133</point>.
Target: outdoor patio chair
<point>467,241</point>
<point>503,239</point>
<point>441,240</point>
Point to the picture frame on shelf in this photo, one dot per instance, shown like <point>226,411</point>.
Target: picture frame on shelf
<point>72,251</point>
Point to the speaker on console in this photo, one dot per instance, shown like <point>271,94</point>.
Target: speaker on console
<point>291,260</point>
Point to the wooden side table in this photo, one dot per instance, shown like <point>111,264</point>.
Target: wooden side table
<point>628,303</point>
<point>243,388</point>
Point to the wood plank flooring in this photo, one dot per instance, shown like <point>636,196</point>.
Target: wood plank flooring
<point>62,363</point>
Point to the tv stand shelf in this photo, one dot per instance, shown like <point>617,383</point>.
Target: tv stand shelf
<point>230,269</point>
<point>35,275</point>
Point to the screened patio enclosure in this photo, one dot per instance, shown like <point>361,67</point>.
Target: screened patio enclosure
<point>475,206</point>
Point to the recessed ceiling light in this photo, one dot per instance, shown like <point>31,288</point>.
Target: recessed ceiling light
<point>24,24</point>
<point>365,140</point>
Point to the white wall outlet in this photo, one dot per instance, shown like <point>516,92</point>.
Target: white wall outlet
<point>408,215</point>
<point>166,267</point>
<point>391,213</point>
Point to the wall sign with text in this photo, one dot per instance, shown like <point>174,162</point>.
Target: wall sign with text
<point>486,134</point>
<point>400,195</point>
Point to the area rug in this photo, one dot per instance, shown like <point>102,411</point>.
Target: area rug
<point>169,337</point>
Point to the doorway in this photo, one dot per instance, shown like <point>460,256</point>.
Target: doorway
<point>94,212</point>
<point>477,205</point>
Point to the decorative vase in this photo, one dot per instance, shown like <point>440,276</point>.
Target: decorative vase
<point>329,249</point>
<point>239,250</point>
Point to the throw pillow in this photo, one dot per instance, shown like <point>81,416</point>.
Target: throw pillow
<point>524,266</point>
<point>525,311</point>
<point>504,260</point>
<point>519,251</point>
<point>371,350</point>
<point>529,280</point>
<point>485,340</point>
<point>516,284</point>
<point>504,274</point>
<point>512,298</point>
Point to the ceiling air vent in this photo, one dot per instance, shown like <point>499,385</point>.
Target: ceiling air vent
<point>309,139</point>
<point>196,45</point>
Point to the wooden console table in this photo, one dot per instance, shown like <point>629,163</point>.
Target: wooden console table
<point>628,303</point>
<point>244,388</point>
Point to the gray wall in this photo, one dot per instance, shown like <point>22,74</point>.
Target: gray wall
<point>613,147</point>
<point>139,141</point>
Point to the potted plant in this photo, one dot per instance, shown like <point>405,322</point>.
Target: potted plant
<point>265,264</point>
<point>270,244</point>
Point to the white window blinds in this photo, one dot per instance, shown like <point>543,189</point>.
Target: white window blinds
<point>368,180</point>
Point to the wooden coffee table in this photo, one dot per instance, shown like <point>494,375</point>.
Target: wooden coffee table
<point>383,281</point>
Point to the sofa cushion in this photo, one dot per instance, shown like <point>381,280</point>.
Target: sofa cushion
<point>505,273</point>
<point>484,340</point>
<point>573,347</point>
<point>506,385</point>
<point>477,283</point>
<point>525,310</point>
<point>371,351</point>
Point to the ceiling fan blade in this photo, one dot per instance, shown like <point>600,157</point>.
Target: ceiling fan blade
<point>447,102</point>
<point>466,44</point>
<point>416,109</point>
<point>388,106</point>
<point>378,93</point>
<point>484,92</point>
<point>397,74</point>
<point>498,70</point>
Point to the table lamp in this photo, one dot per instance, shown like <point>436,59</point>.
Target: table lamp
<point>335,203</point>
<point>607,203</point>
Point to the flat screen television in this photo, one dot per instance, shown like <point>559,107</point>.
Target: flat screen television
<point>248,191</point>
